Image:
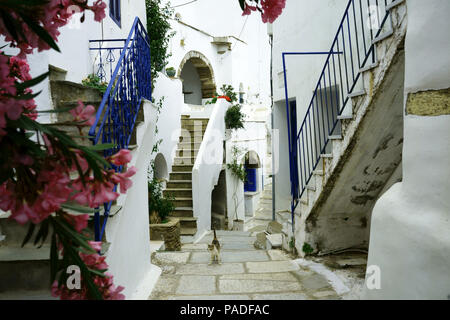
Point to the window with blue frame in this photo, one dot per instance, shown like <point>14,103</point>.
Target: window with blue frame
<point>114,11</point>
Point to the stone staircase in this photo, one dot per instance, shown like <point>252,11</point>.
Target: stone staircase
<point>364,156</point>
<point>180,180</point>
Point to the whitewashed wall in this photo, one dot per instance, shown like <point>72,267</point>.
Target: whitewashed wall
<point>247,63</point>
<point>304,26</point>
<point>251,138</point>
<point>411,220</point>
<point>128,231</point>
<point>169,122</point>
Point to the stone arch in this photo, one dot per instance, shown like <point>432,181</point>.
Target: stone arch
<point>205,72</point>
<point>252,160</point>
<point>161,171</point>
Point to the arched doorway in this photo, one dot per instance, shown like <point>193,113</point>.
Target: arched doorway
<point>161,171</point>
<point>198,78</point>
<point>252,165</point>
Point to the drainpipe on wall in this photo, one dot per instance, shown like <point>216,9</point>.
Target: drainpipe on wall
<point>270,33</point>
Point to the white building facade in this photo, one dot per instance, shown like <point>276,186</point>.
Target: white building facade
<point>380,183</point>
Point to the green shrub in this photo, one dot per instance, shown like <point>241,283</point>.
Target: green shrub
<point>234,117</point>
<point>163,205</point>
<point>159,30</point>
<point>93,81</point>
<point>307,248</point>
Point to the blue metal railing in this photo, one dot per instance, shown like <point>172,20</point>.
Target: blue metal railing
<point>116,117</point>
<point>353,49</point>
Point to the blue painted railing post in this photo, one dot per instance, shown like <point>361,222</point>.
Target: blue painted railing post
<point>117,114</point>
<point>314,134</point>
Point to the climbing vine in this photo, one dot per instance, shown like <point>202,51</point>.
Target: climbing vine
<point>159,29</point>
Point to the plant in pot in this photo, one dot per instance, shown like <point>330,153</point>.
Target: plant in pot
<point>171,72</point>
<point>227,94</point>
<point>94,81</point>
<point>234,117</point>
<point>238,170</point>
<point>159,206</point>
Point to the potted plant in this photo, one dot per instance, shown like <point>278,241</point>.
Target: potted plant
<point>171,72</point>
<point>234,117</point>
<point>159,206</point>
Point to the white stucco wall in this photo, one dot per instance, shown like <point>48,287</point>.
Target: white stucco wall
<point>128,232</point>
<point>169,122</point>
<point>247,63</point>
<point>207,167</point>
<point>411,220</point>
<point>251,138</point>
<point>304,26</point>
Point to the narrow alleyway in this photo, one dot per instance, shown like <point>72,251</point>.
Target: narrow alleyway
<point>246,273</point>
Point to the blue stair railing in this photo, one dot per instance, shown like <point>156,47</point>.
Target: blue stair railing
<point>352,51</point>
<point>130,83</point>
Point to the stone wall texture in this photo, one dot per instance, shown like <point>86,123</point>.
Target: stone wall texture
<point>429,103</point>
<point>169,232</point>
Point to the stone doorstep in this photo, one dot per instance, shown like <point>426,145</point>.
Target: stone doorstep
<point>274,240</point>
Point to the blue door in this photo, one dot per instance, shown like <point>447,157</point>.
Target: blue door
<point>294,150</point>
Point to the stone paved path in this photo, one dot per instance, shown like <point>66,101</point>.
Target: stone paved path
<point>245,273</point>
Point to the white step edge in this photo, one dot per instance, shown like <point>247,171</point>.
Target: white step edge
<point>345,117</point>
<point>318,172</point>
<point>326,155</point>
<point>369,67</point>
<point>383,36</point>
<point>357,94</point>
<point>335,137</point>
<point>394,4</point>
<point>311,188</point>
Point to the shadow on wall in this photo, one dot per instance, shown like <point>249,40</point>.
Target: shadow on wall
<point>219,203</point>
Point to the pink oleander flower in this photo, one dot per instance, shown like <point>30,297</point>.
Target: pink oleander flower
<point>79,222</point>
<point>272,9</point>
<point>124,179</point>
<point>52,16</point>
<point>19,68</point>
<point>99,10</point>
<point>96,245</point>
<point>248,9</point>
<point>82,113</point>
<point>121,158</point>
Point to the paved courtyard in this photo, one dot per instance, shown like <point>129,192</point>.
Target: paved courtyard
<point>245,273</point>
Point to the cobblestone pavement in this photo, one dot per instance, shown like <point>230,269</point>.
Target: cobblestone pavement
<point>245,273</point>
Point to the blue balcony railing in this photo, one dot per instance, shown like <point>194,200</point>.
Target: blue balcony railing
<point>353,49</point>
<point>130,83</point>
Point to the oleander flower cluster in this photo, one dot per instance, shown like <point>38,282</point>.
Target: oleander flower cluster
<point>270,9</point>
<point>105,284</point>
<point>43,171</point>
<point>51,16</point>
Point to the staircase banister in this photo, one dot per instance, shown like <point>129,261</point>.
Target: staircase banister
<point>308,157</point>
<point>113,77</point>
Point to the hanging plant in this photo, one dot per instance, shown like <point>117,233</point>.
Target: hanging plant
<point>234,118</point>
